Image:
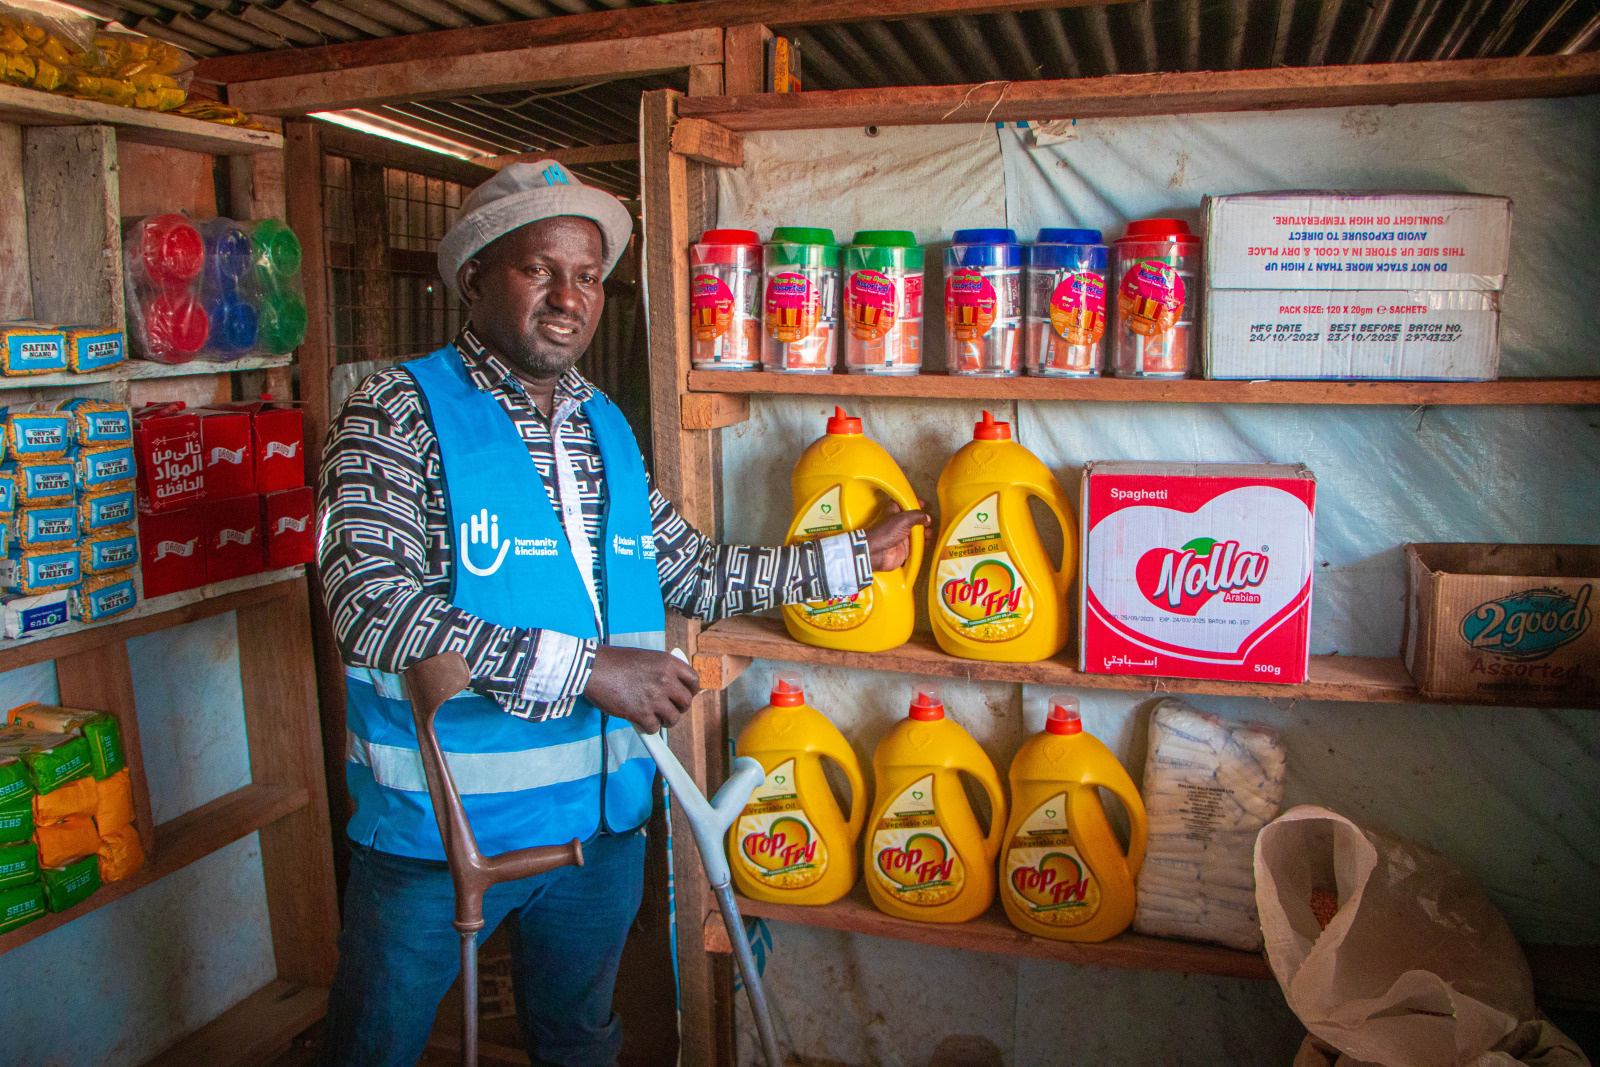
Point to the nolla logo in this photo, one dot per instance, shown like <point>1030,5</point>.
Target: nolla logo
<point>1528,625</point>
<point>1183,580</point>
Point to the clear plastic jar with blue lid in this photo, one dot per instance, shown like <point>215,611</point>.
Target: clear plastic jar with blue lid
<point>983,303</point>
<point>1066,303</point>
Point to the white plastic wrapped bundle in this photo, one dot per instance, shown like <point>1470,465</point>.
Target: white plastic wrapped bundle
<point>1209,788</point>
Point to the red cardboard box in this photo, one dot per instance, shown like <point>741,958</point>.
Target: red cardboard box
<point>172,552</point>
<point>230,467</point>
<point>1197,570</point>
<point>166,441</point>
<point>277,434</point>
<point>288,522</point>
<point>233,537</point>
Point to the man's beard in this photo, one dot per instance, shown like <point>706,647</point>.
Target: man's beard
<point>530,359</point>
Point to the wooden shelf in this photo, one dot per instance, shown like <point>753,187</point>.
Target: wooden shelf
<point>1278,89</point>
<point>992,932</point>
<point>179,842</point>
<point>134,370</point>
<point>30,107</point>
<point>1130,390</point>
<point>147,616</point>
<point>254,1031</point>
<point>1361,678</point>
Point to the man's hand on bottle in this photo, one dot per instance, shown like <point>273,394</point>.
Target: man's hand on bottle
<point>889,539</point>
<point>649,689</point>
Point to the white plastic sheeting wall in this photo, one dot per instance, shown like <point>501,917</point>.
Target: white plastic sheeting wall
<point>1511,794</point>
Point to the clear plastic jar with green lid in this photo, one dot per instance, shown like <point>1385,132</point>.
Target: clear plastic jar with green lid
<point>883,303</point>
<point>801,307</point>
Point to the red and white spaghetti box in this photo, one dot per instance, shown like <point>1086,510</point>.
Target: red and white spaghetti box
<point>166,441</point>
<point>172,551</point>
<point>230,466</point>
<point>233,537</point>
<point>277,435</point>
<point>1197,570</point>
<point>288,522</point>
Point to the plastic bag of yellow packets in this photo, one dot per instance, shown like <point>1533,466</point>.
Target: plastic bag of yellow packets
<point>38,47</point>
<point>68,56</point>
<point>67,841</point>
<point>20,905</point>
<point>115,808</point>
<point>98,728</point>
<point>121,854</point>
<point>81,796</point>
<point>214,111</point>
<point>71,883</point>
<point>19,864</point>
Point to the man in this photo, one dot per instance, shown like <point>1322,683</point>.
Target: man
<point>487,499</point>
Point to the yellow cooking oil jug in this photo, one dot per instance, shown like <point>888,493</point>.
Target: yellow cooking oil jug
<point>839,485</point>
<point>926,857</point>
<point>792,844</point>
<point>993,593</point>
<point>1064,874</point>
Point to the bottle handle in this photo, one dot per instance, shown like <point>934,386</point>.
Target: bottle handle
<point>858,786</point>
<point>908,501</point>
<point>999,811</point>
<point>1055,498</point>
<point>1138,824</point>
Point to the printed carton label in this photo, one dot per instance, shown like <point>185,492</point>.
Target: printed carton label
<point>1044,874</point>
<point>911,857</point>
<point>980,591</point>
<point>778,845</point>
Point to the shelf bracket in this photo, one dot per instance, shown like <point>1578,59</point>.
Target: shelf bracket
<point>706,142</point>
<point>719,671</point>
<point>712,411</point>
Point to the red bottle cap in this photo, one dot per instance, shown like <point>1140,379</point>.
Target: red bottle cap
<point>172,249</point>
<point>1160,230</point>
<point>989,430</point>
<point>730,237</point>
<point>842,423</point>
<point>787,691</point>
<point>1063,717</point>
<point>927,705</point>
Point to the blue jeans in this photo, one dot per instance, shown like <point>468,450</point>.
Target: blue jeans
<point>398,954</point>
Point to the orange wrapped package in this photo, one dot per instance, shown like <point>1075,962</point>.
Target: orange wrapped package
<point>116,803</point>
<point>121,854</point>
<point>67,841</point>
<point>77,797</point>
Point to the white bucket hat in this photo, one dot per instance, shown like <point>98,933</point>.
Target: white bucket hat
<point>527,192</point>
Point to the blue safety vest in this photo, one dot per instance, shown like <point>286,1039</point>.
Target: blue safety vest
<point>522,783</point>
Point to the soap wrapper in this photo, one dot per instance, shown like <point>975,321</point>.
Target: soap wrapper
<point>52,759</point>
<point>81,796</point>
<point>19,864</point>
<point>16,820</point>
<point>121,854</point>
<point>71,883</point>
<point>68,841</point>
<point>21,905</point>
<point>32,348</point>
<point>14,783</point>
<point>30,616</point>
<point>102,596</point>
<point>99,729</point>
<point>114,805</point>
<point>40,572</point>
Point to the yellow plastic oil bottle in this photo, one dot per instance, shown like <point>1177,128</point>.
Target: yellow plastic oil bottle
<point>993,593</point>
<point>1064,874</point>
<point>792,844</point>
<point>926,857</point>
<point>836,487</point>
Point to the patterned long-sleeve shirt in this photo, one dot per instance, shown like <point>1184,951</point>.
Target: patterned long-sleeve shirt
<point>385,548</point>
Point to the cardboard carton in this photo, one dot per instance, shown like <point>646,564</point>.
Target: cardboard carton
<point>277,444</point>
<point>288,523</point>
<point>171,473</point>
<point>172,552</point>
<point>1197,570</point>
<point>1504,624</point>
<point>233,537</point>
<point>228,458</point>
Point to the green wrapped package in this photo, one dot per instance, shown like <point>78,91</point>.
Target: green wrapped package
<point>72,884</point>
<point>16,820</point>
<point>19,864</point>
<point>99,728</point>
<point>52,760</point>
<point>14,782</point>
<point>20,905</point>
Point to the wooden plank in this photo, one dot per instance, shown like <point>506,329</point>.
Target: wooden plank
<point>714,934</point>
<point>373,315</point>
<point>1160,94</point>
<point>148,616</point>
<point>712,411</point>
<point>142,369</point>
<point>102,680</point>
<point>597,26</point>
<point>434,76</point>
<point>254,1031</point>
<point>195,391</point>
<point>1132,390</point>
<point>16,295</point>
<point>706,142</point>
<point>572,157</point>
<point>991,932</point>
<point>69,180</point>
<point>256,184</point>
<point>1361,678</point>
<point>705,79</point>
<point>719,671</point>
<point>179,842</point>
<point>744,59</point>
<point>29,107</point>
<point>285,737</point>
